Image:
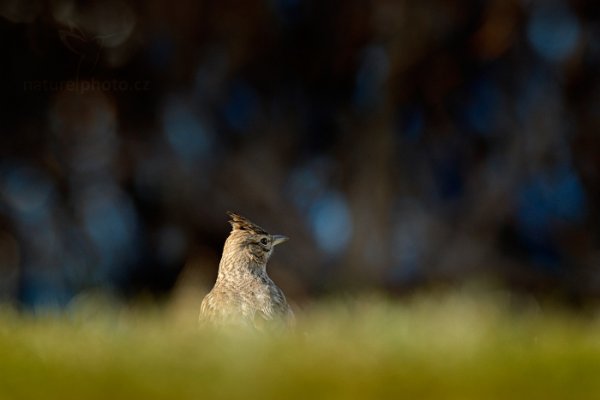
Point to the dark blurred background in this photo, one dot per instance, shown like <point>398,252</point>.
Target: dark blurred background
<point>400,144</point>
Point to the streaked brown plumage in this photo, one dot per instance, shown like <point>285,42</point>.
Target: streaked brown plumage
<point>243,292</point>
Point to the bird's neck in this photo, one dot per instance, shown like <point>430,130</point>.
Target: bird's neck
<point>236,267</point>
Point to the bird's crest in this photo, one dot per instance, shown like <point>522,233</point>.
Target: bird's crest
<point>240,223</point>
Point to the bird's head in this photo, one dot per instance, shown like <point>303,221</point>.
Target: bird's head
<point>250,240</point>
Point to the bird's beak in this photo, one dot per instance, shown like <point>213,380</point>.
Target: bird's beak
<point>278,239</point>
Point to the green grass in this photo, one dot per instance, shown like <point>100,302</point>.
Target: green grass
<point>456,346</point>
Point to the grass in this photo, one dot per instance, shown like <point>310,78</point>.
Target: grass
<point>453,346</point>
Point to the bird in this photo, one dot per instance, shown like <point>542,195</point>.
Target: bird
<point>243,292</point>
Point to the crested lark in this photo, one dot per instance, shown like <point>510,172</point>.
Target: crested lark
<point>243,291</point>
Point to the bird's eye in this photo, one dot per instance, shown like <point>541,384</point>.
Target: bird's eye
<point>264,241</point>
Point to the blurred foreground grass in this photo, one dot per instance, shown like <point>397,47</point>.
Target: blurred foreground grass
<point>453,346</point>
